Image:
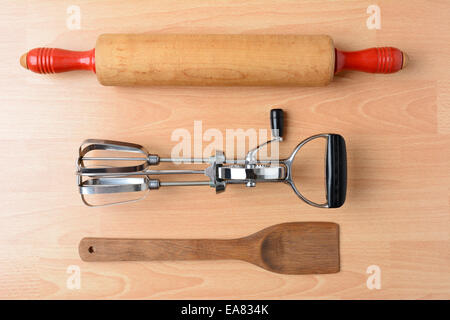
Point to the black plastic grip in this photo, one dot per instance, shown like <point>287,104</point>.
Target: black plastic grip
<point>276,122</point>
<point>336,171</point>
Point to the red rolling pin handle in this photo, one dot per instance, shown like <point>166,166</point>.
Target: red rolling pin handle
<point>373,60</point>
<point>52,60</point>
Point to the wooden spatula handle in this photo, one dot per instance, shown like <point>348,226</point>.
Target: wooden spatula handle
<point>110,249</point>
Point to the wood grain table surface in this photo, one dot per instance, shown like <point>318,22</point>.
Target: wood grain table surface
<point>397,129</point>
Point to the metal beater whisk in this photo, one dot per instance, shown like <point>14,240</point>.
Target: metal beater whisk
<point>135,177</point>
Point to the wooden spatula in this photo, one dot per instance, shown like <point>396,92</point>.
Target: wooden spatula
<point>290,248</point>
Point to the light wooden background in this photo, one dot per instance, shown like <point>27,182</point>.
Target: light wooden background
<point>397,129</point>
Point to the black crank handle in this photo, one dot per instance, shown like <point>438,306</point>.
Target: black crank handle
<point>276,122</point>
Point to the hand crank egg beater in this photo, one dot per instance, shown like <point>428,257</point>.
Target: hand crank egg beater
<point>138,178</point>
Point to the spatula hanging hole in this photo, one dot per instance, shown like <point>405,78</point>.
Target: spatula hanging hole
<point>91,250</point>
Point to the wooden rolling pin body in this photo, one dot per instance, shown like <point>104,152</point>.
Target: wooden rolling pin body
<point>214,60</point>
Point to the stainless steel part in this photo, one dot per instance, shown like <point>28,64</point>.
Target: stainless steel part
<point>135,177</point>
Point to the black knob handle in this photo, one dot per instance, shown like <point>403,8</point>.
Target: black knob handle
<point>276,122</point>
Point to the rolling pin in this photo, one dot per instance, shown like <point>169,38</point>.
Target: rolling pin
<point>214,60</point>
